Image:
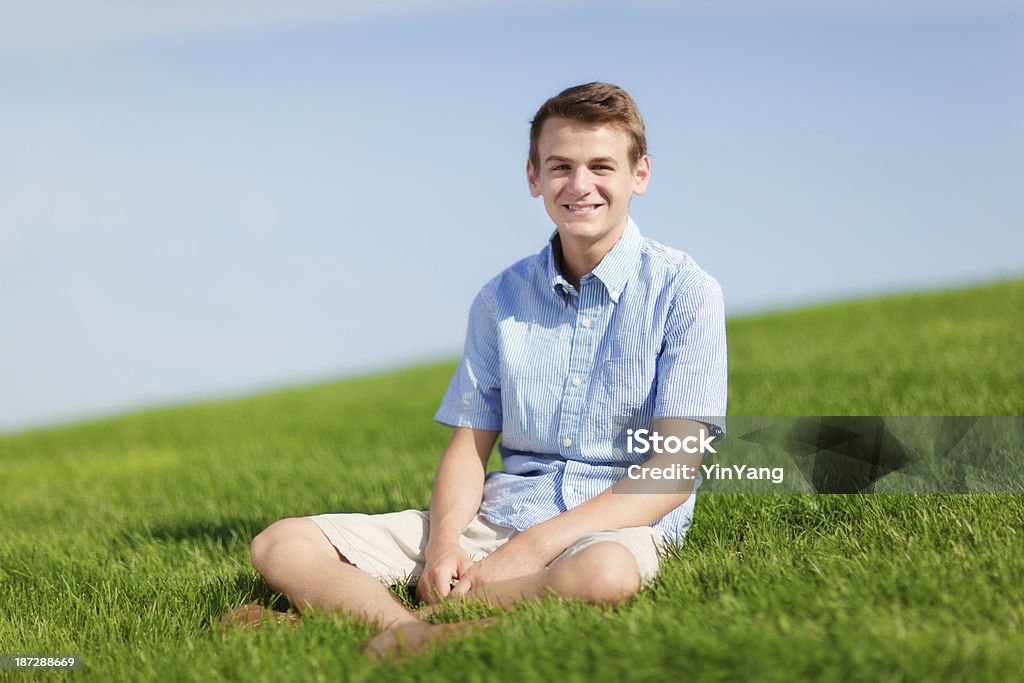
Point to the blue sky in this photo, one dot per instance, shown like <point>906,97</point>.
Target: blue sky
<point>198,201</point>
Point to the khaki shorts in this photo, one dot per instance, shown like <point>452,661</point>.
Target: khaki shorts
<point>390,546</point>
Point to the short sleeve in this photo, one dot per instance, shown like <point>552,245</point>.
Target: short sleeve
<point>473,398</point>
<point>692,368</point>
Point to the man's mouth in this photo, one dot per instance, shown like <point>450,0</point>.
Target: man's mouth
<point>581,208</point>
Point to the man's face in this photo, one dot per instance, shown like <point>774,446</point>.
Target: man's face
<point>586,179</point>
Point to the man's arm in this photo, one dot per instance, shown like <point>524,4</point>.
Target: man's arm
<point>454,501</point>
<point>622,505</point>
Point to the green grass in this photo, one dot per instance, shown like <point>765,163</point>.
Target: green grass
<point>124,540</point>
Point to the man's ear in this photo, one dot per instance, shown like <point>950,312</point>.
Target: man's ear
<point>531,179</point>
<point>642,175</point>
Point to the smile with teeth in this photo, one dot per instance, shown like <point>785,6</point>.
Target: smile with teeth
<point>584,208</point>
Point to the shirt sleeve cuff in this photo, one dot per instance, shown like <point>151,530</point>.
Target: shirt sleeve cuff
<point>479,421</point>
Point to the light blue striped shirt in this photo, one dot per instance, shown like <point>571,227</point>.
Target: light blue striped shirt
<point>563,372</point>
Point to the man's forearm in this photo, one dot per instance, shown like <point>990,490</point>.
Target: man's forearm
<point>626,504</point>
<point>458,485</point>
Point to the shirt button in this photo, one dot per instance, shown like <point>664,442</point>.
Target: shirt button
<point>585,322</point>
<point>576,381</point>
<point>569,489</point>
<point>566,442</point>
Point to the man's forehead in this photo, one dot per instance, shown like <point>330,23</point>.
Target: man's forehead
<point>567,138</point>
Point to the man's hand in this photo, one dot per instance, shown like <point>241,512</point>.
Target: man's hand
<point>519,557</point>
<point>440,569</point>
<point>455,500</point>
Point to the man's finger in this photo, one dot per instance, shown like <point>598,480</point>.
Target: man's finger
<point>432,589</point>
<point>461,588</point>
<point>442,589</point>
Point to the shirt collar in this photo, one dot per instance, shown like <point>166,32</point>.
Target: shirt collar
<point>554,252</point>
<point>614,269</point>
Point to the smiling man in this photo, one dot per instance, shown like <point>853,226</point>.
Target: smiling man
<point>601,330</point>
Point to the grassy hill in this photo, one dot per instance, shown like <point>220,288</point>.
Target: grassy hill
<point>123,540</point>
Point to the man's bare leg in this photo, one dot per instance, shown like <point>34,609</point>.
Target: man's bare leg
<point>603,574</point>
<point>296,559</point>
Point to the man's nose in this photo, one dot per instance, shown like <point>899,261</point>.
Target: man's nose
<point>580,182</point>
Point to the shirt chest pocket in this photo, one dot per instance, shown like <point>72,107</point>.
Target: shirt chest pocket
<point>538,353</point>
<point>628,385</point>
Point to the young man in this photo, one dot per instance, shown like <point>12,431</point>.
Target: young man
<point>566,352</point>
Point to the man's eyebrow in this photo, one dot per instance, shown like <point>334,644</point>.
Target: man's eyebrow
<point>595,160</point>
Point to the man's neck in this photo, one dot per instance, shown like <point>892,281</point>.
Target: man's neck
<point>579,257</point>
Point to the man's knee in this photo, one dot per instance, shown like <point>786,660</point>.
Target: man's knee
<point>604,573</point>
<point>286,540</point>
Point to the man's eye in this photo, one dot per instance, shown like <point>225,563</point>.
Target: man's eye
<point>560,167</point>
<point>603,168</point>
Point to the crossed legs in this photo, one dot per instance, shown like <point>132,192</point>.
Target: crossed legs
<point>296,559</point>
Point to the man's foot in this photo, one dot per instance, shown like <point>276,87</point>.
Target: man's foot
<point>255,615</point>
<point>412,638</point>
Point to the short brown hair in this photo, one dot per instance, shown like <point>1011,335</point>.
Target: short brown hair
<point>593,103</point>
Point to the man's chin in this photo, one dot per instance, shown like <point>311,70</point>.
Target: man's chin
<point>586,230</point>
